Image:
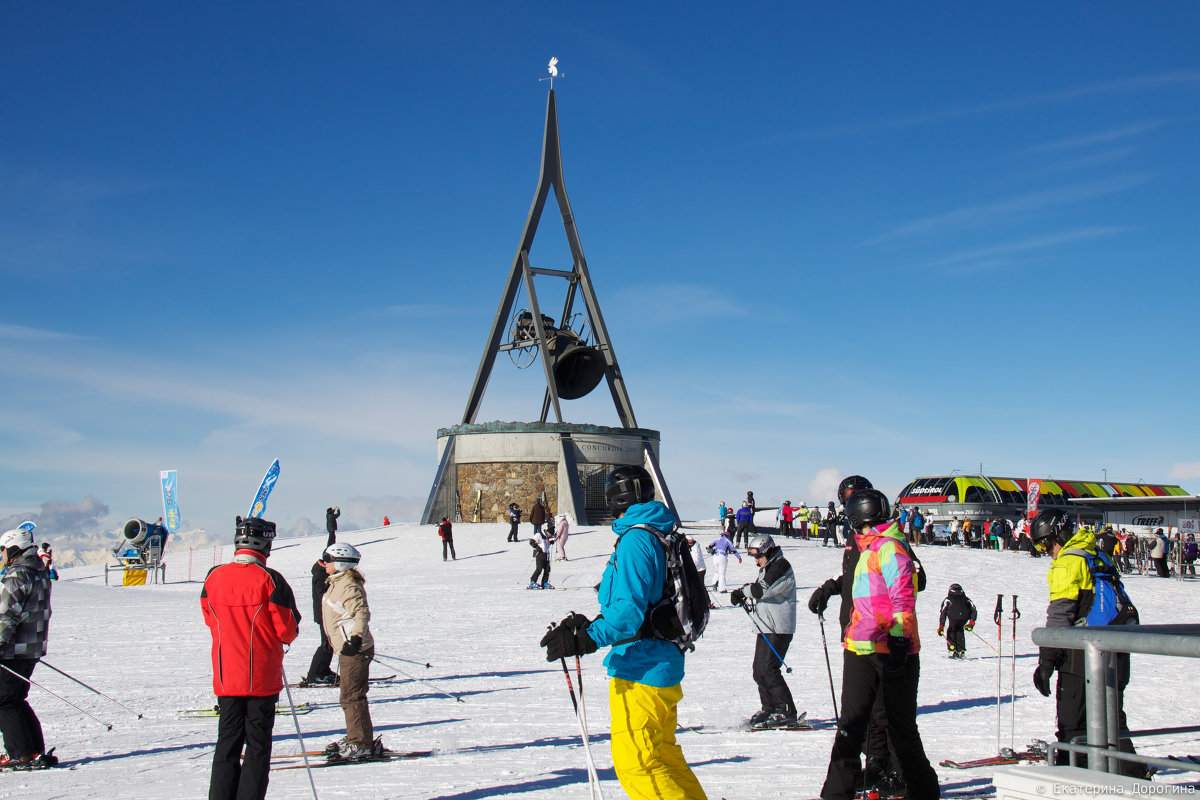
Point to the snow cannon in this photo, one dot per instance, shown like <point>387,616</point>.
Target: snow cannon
<point>146,539</point>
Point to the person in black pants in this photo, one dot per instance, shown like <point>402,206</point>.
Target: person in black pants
<point>829,524</point>
<point>514,518</point>
<point>446,531</point>
<point>319,672</point>
<point>331,517</point>
<point>772,600</point>
<point>881,656</point>
<point>958,612</point>
<point>251,612</point>
<point>882,764</point>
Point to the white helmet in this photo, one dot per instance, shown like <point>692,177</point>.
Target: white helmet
<point>343,556</point>
<point>20,538</point>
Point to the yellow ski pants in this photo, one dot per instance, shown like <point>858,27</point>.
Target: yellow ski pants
<point>648,763</point>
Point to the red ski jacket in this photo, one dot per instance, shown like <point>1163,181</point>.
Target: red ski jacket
<point>252,614</point>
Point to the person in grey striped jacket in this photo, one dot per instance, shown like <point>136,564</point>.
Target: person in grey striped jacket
<point>24,626</point>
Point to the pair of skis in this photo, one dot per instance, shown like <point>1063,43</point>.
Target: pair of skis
<point>1036,751</point>
<point>386,755</point>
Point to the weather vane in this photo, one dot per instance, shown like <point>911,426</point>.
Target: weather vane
<point>552,68</point>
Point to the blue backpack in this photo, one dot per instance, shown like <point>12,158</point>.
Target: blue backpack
<point>1110,603</point>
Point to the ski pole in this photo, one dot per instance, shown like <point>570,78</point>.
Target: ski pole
<point>985,641</point>
<point>763,634</point>
<point>593,773</point>
<point>1012,701</point>
<point>999,617</point>
<point>426,665</point>
<point>107,726</point>
<point>84,685</point>
<point>828,667</point>
<point>299,736</point>
<point>456,698</point>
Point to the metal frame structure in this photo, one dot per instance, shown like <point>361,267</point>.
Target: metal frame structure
<point>1102,694</point>
<point>522,273</point>
<point>579,281</point>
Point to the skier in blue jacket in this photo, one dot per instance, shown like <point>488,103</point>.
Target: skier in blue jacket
<point>646,672</point>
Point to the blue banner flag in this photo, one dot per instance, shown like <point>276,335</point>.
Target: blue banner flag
<point>170,489</point>
<point>259,506</point>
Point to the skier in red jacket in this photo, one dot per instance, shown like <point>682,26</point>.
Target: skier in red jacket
<point>252,614</point>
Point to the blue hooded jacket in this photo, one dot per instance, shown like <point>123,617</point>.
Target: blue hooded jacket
<point>632,582</point>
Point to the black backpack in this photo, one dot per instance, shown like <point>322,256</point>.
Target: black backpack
<point>682,614</point>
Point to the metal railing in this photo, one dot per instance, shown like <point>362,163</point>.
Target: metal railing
<point>1102,692</point>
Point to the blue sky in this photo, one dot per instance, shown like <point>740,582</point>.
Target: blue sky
<point>895,240</point>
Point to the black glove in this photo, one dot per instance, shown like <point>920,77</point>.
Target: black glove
<point>568,638</point>
<point>1041,677</point>
<point>819,600</point>
<point>896,657</point>
<point>755,590</point>
<point>737,597</point>
<point>352,647</point>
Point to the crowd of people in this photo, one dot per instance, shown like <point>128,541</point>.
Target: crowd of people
<point>253,615</point>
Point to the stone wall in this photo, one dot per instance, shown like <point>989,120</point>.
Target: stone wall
<point>498,484</point>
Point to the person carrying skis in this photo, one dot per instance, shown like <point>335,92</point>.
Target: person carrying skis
<point>881,655</point>
<point>346,617</point>
<point>772,601</point>
<point>645,672</point>
<point>331,517</point>
<point>514,519</point>
<point>319,673</point>
<point>722,548</point>
<point>540,542</point>
<point>446,531</point>
<point>1071,594</point>
<point>960,613</point>
<point>252,614</point>
<point>24,630</point>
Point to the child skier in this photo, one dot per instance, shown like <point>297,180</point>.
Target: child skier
<point>959,611</point>
<point>346,618</point>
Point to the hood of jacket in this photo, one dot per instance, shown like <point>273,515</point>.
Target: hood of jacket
<point>654,514</point>
<point>1083,539</point>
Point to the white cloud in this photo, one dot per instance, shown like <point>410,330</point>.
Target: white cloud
<point>824,485</point>
<point>1185,471</point>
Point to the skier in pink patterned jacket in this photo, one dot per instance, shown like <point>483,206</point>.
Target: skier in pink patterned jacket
<point>881,647</point>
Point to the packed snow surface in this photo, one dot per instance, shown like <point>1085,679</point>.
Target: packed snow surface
<point>514,733</point>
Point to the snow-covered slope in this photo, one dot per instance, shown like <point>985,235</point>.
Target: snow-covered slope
<point>515,734</point>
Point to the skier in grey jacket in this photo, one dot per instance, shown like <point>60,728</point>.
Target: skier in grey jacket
<point>24,628</point>
<point>771,600</point>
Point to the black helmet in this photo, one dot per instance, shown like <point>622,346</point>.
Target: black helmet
<point>867,507</point>
<point>850,485</point>
<point>955,589</point>
<point>627,486</point>
<point>1051,525</point>
<point>254,534</point>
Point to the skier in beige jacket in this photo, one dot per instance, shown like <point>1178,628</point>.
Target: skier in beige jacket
<point>346,617</point>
